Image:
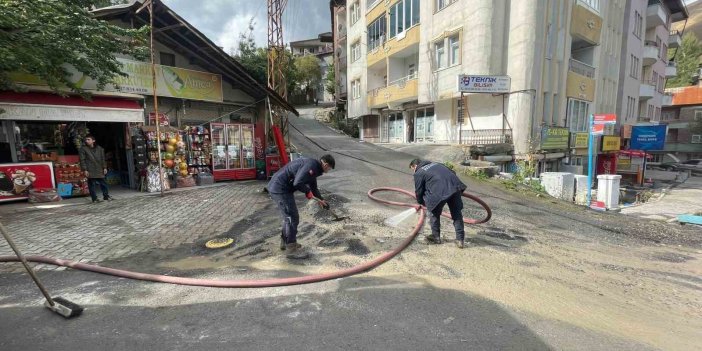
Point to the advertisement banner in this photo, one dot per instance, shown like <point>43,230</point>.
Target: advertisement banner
<point>648,137</point>
<point>611,143</point>
<point>607,164</point>
<point>468,83</point>
<point>605,119</point>
<point>170,81</point>
<point>16,179</point>
<point>554,138</point>
<point>581,140</point>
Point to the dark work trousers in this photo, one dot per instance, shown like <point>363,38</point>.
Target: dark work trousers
<point>455,204</point>
<point>103,187</point>
<point>288,211</point>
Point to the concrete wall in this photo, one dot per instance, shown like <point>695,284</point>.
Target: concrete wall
<point>357,70</point>
<point>632,45</point>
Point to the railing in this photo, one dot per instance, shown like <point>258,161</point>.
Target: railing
<point>650,82</point>
<point>375,92</point>
<point>486,136</point>
<point>650,43</point>
<point>581,68</point>
<point>402,81</point>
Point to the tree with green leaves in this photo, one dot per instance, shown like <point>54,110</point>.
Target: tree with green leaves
<point>330,80</point>
<point>309,74</point>
<point>687,58</point>
<point>45,38</point>
<point>255,59</point>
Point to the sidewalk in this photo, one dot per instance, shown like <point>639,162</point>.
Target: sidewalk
<point>686,198</point>
<point>137,223</point>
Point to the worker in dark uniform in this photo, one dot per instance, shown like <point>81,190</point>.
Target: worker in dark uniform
<point>435,186</point>
<point>298,175</point>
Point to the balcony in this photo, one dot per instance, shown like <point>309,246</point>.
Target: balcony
<point>581,68</point>
<point>586,26</point>
<point>647,90</point>
<point>486,136</point>
<point>651,53</point>
<point>579,86</point>
<point>656,15</point>
<point>674,39</point>
<point>671,70</point>
<point>402,90</point>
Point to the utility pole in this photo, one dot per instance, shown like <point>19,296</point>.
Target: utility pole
<point>277,61</point>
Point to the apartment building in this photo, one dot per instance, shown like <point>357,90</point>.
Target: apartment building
<point>644,59</point>
<point>340,59</point>
<point>322,48</point>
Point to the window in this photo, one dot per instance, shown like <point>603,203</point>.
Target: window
<point>577,115</point>
<point>658,45</point>
<point>668,115</point>
<point>460,113</point>
<point>356,89</point>
<point>698,115</point>
<point>376,33</point>
<point>455,50</point>
<point>412,71</point>
<point>634,67</point>
<point>664,52</point>
<point>638,24</point>
<point>696,139</point>
<point>355,51</point>
<point>167,59</point>
<point>403,15</point>
<point>661,84</point>
<point>657,112</point>
<point>440,54</point>
<point>355,12</point>
<point>631,112</point>
<point>593,4</point>
<point>441,4</point>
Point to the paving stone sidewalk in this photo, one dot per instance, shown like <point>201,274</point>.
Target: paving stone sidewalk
<point>110,230</point>
<point>686,198</point>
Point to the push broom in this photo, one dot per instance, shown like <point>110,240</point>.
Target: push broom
<point>59,305</point>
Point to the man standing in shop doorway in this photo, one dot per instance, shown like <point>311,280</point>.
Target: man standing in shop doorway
<point>93,165</point>
<point>298,175</point>
<point>435,186</point>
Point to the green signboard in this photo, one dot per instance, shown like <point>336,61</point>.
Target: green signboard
<point>554,138</point>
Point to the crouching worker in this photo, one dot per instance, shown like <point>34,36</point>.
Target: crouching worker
<point>298,175</point>
<point>435,186</point>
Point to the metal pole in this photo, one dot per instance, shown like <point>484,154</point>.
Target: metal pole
<point>26,265</point>
<point>590,147</point>
<point>153,86</point>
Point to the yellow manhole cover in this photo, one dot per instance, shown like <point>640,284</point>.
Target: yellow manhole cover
<point>219,243</point>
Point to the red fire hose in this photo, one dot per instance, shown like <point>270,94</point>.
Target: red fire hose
<point>215,283</point>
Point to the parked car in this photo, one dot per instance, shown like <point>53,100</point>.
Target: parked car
<point>694,165</point>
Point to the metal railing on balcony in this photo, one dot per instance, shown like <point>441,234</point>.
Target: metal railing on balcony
<point>649,82</point>
<point>402,81</point>
<point>581,68</point>
<point>486,136</point>
<point>650,43</point>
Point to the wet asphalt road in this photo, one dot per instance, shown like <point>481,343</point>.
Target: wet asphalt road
<point>401,312</point>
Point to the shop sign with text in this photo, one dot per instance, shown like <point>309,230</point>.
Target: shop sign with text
<point>554,138</point>
<point>580,141</point>
<point>611,143</point>
<point>170,81</point>
<point>17,179</point>
<point>468,83</point>
<point>648,137</point>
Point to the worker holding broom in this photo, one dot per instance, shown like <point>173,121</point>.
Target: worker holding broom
<point>298,175</point>
<point>435,185</point>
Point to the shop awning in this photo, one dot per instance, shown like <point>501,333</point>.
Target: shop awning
<point>35,106</point>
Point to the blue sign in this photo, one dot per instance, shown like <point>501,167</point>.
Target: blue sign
<point>648,137</point>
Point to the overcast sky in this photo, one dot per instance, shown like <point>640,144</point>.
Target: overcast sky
<point>223,20</point>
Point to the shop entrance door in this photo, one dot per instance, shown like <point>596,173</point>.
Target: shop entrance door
<point>396,127</point>
<point>424,125</point>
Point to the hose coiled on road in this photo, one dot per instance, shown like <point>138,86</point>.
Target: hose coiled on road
<point>262,283</point>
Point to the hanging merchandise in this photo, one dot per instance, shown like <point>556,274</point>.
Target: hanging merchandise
<point>153,180</point>
<point>199,149</point>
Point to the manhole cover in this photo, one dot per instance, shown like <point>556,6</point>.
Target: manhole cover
<point>219,243</point>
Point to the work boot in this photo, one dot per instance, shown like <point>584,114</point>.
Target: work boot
<point>108,198</point>
<point>96,201</point>
<point>432,239</point>
<point>296,252</point>
<point>459,243</point>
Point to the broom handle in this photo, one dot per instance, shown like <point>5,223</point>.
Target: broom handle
<point>26,264</point>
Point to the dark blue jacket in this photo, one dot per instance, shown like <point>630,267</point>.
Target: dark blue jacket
<point>300,174</point>
<point>434,183</point>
